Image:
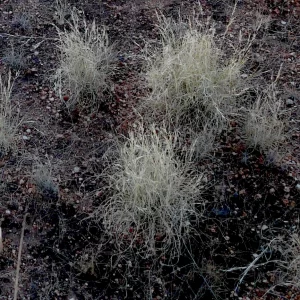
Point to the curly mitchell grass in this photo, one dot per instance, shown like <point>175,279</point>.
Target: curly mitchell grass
<point>155,197</point>
<point>85,64</point>
<point>191,79</point>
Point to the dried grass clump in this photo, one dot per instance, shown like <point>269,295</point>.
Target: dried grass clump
<point>264,125</point>
<point>191,79</point>
<point>14,58</point>
<point>85,63</point>
<point>154,195</point>
<point>202,142</point>
<point>43,178</point>
<point>22,21</point>
<point>285,261</point>
<point>9,120</point>
<point>287,268</point>
<point>62,10</point>
<point>290,266</point>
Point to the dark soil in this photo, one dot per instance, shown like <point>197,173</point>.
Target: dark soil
<point>250,199</point>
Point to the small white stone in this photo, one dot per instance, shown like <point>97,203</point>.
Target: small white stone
<point>264,227</point>
<point>76,170</point>
<point>28,130</point>
<point>244,75</point>
<point>272,191</point>
<point>298,187</point>
<point>289,102</point>
<point>283,22</point>
<point>8,212</point>
<point>25,137</point>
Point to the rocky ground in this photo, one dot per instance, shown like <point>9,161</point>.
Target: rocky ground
<point>251,200</point>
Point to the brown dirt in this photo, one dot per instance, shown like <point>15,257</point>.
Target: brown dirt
<point>66,255</point>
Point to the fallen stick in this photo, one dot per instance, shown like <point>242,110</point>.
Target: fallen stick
<point>16,289</point>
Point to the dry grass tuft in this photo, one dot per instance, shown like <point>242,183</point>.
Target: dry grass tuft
<point>287,271</point>
<point>191,79</point>
<point>154,195</point>
<point>264,126</point>
<point>43,178</point>
<point>203,142</point>
<point>14,58</point>
<point>22,21</point>
<point>291,264</point>
<point>62,11</point>
<point>9,121</point>
<point>85,64</point>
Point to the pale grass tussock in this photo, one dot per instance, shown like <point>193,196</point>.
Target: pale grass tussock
<point>191,79</point>
<point>85,63</point>
<point>43,178</point>
<point>264,125</point>
<point>290,265</point>
<point>154,196</point>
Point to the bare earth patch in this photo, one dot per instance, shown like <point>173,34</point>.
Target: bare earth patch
<point>70,173</point>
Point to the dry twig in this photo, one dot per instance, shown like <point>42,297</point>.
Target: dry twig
<point>16,288</point>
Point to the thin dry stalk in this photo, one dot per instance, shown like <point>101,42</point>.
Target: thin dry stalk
<point>16,287</point>
<point>1,241</point>
<point>9,120</point>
